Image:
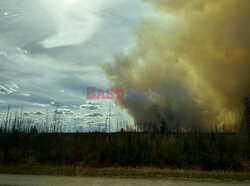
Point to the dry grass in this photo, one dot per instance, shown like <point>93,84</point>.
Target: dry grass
<point>123,172</point>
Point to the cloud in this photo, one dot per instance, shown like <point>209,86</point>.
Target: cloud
<point>93,103</point>
<point>64,111</point>
<point>4,90</point>
<point>2,102</point>
<point>3,53</point>
<point>77,22</point>
<point>67,111</point>
<point>8,89</point>
<point>38,113</point>
<point>41,105</point>
<point>52,102</point>
<point>94,114</point>
<point>25,94</point>
<point>89,107</point>
<point>21,50</point>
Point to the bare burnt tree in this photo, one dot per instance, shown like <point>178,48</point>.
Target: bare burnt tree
<point>6,120</point>
<point>245,123</point>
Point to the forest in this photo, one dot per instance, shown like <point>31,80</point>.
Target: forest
<point>22,144</point>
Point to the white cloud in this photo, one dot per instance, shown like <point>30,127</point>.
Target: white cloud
<point>25,94</point>
<point>6,13</point>
<point>3,53</point>
<point>9,88</point>
<point>2,102</point>
<point>41,105</point>
<point>77,21</point>
<point>21,50</point>
<point>64,111</point>
<point>88,106</point>
<point>12,87</point>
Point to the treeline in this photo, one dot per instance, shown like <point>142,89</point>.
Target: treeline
<point>213,151</point>
<point>21,143</point>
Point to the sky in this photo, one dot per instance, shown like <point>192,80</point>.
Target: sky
<point>51,50</point>
<point>196,51</point>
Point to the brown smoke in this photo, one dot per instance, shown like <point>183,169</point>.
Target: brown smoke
<point>198,52</point>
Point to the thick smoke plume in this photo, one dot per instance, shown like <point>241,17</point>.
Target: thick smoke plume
<point>198,52</point>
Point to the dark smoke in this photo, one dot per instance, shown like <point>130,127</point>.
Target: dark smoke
<point>198,52</point>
